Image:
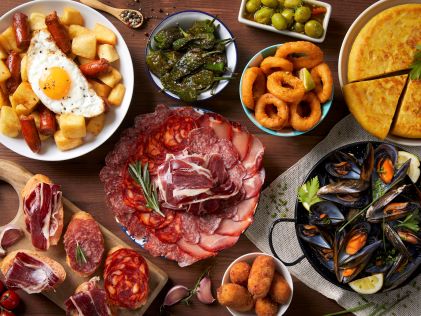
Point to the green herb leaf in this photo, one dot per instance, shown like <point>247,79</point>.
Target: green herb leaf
<point>80,255</point>
<point>307,193</point>
<point>142,178</point>
<point>411,222</point>
<point>415,67</point>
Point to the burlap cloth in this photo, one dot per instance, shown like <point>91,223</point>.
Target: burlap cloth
<point>285,186</point>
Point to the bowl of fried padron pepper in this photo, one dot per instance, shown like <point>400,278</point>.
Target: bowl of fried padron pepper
<point>191,56</point>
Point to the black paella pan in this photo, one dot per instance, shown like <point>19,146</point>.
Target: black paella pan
<point>301,216</point>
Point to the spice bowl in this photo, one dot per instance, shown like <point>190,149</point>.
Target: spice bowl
<point>185,19</point>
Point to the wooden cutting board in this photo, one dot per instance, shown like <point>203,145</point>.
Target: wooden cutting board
<point>17,176</point>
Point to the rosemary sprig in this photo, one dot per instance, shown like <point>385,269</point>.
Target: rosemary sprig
<point>193,291</point>
<point>142,178</point>
<point>80,255</point>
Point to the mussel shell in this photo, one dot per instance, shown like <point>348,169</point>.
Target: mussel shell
<point>326,257</point>
<point>360,228</point>
<point>358,200</point>
<point>398,177</point>
<point>377,206</point>
<point>368,164</point>
<point>333,215</point>
<point>362,257</point>
<point>408,236</point>
<point>395,240</point>
<point>349,170</point>
<point>398,274</point>
<point>393,211</point>
<point>320,238</point>
<point>344,187</point>
<point>386,151</point>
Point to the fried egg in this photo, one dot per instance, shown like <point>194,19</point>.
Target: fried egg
<point>58,81</point>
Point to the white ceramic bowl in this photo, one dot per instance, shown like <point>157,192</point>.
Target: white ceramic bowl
<point>349,39</point>
<point>280,268</point>
<point>185,19</point>
<point>114,117</point>
<point>328,7</point>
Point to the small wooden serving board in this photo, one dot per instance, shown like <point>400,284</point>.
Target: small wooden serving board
<point>17,176</point>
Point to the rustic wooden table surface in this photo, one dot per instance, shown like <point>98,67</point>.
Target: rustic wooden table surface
<point>79,177</point>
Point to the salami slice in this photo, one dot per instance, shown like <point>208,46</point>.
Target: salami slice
<point>84,244</point>
<point>126,277</point>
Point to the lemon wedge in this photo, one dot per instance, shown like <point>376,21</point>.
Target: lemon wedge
<point>368,285</point>
<point>414,166</point>
<point>307,79</point>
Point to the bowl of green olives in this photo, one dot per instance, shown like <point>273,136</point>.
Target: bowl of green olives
<point>304,19</point>
<point>191,56</point>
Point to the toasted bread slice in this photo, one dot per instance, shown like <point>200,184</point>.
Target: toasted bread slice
<point>408,118</point>
<point>57,268</point>
<point>373,103</point>
<point>29,187</point>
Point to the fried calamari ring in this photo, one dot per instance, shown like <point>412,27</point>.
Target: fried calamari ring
<point>285,86</point>
<point>269,118</point>
<point>322,78</point>
<point>302,54</point>
<point>253,86</point>
<point>271,64</point>
<point>302,122</point>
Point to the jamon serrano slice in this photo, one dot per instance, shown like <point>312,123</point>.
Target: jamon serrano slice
<point>84,244</point>
<point>31,272</point>
<point>9,234</point>
<point>89,300</point>
<point>43,211</point>
<point>253,161</point>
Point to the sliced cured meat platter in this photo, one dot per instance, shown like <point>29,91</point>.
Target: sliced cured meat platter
<point>17,176</point>
<point>207,172</point>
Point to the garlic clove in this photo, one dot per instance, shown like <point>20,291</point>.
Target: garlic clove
<point>204,292</point>
<point>175,295</point>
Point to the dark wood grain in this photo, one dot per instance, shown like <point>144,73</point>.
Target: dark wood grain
<point>79,177</point>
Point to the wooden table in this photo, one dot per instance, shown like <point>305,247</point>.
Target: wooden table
<point>79,177</point>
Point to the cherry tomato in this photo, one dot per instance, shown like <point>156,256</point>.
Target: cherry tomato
<point>6,313</point>
<point>9,299</point>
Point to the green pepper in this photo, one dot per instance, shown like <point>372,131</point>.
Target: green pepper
<point>204,41</point>
<point>188,63</point>
<point>203,26</point>
<point>158,63</point>
<point>185,93</point>
<point>165,38</point>
<point>172,57</point>
<point>200,80</point>
<point>218,67</point>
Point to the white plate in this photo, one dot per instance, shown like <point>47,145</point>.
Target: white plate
<point>350,36</point>
<point>114,117</point>
<point>279,267</point>
<point>185,19</point>
<point>270,28</point>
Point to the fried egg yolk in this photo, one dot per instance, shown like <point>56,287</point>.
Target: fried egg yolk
<point>55,83</point>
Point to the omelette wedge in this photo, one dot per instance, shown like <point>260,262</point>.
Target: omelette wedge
<point>408,118</point>
<point>386,43</point>
<point>373,103</point>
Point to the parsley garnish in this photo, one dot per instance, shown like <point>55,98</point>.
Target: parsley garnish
<point>411,222</point>
<point>307,193</point>
<point>415,67</point>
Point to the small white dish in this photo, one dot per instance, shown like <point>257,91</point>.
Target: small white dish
<point>49,151</point>
<point>349,39</point>
<point>280,268</point>
<point>266,27</point>
<point>185,19</point>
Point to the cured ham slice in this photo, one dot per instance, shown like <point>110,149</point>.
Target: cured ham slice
<point>31,272</point>
<point>88,300</point>
<point>9,235</point>
<point>208,174</point>
<point>43,210</point>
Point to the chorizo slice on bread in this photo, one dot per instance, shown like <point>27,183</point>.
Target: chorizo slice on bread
<point>84,244</point>
<point>43,211</point>
<point>31,271</point>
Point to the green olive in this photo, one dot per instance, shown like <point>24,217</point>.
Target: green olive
<point>253,5</point>
<point>299,27</point>
<point>270,3</point>
<point>314,29</point>
<point>281,3</point>
<point>279,22</point>
<point>263,15</point>
<point>292,3</point>
<point>288,14</point>
<point>302,14</point>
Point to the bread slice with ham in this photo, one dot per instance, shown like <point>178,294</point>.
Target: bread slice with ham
<point>31,271</point>
<point>84,244</point>
<point>43,211</point>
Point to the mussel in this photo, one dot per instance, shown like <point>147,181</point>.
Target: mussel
<point>395,240</point>
<point>325,213</point>
<point>401,270</point>
<point>408,236</point>
<point>393,211</point>
<point>343,166</point>
<point>348,193</point>
<point>315,236</point>
<point>375,211</point>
